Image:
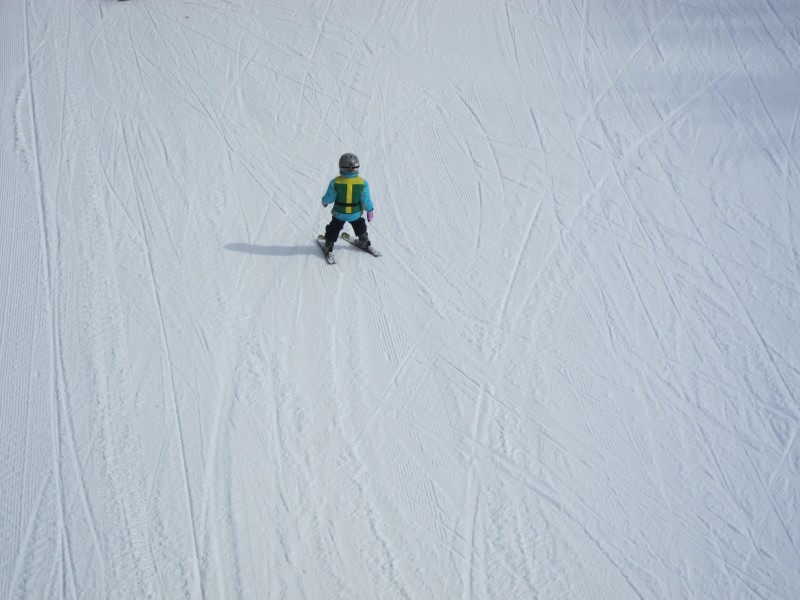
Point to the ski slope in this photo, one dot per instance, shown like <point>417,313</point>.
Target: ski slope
<point>573,373</point>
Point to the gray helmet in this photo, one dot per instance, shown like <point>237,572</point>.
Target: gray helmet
<point>348,163</point>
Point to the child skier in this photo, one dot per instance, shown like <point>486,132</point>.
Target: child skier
<point>350,197</point>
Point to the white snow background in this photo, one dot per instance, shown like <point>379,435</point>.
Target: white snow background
<point>573,373</point>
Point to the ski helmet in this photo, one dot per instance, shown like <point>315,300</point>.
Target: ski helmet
<point>348,163</point>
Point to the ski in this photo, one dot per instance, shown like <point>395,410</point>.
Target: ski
<point>328,255</point>
<point>354,241</point>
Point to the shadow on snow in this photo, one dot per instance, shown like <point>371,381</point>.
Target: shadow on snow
<point>273,250</point>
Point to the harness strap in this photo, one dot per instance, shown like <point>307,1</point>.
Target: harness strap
<point>348,194</point>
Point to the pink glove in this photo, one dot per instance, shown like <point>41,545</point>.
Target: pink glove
<point>324,205</point>
<point>370,214</point>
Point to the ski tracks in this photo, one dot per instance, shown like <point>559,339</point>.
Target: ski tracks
<point>66,582</point>
<point>197,586</point>
<point>537,404</point>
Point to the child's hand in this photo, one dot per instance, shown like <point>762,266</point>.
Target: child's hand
<point>370,214</point>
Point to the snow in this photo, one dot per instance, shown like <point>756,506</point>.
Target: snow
<point>573,373</point>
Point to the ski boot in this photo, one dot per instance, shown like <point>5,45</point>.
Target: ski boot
<point>363,241</point>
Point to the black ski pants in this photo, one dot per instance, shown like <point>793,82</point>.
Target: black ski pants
<point>334,228</point>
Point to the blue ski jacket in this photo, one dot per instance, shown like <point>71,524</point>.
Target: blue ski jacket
<point>349,195</point>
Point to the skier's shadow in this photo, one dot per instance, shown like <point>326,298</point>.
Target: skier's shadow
<point>271,250</point>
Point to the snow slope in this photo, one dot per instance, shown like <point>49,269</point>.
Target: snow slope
<point>572,374</point>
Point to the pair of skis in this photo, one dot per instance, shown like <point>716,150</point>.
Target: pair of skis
<point>345,236</point>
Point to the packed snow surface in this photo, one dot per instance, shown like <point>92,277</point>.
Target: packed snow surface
<point>573,373</point>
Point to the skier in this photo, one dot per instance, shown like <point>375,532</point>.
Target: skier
<point>350,197</point>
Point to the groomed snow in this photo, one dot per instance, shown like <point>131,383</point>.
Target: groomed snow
<point>574,372</point>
